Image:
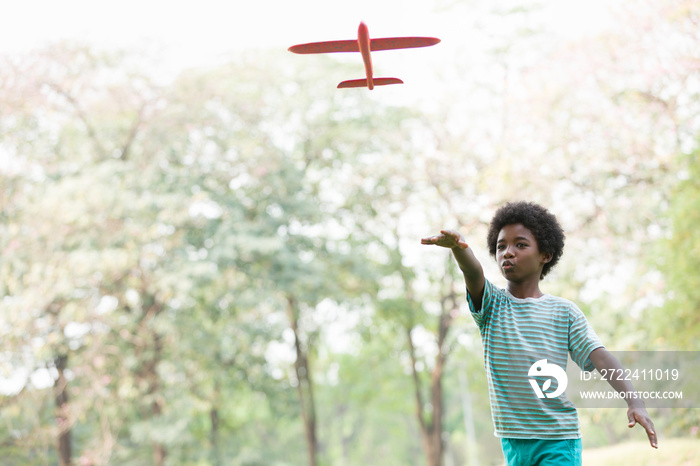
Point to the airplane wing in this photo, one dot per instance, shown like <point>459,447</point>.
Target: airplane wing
<point>327,47</point>
<point>363,82</point>
<point>389,43</point>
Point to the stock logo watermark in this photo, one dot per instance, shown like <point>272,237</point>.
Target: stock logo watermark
<point>542,368</point>
<point>662,379</point>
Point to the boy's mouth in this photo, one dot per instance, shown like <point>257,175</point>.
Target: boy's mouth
<point>507,265</point>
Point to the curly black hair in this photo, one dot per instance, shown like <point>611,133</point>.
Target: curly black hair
<point>543,225</point>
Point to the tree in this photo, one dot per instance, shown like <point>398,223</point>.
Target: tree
<point>678,258</point>
<point>55,276</point>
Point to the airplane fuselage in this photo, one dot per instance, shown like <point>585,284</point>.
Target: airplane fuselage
<point>363,43</point>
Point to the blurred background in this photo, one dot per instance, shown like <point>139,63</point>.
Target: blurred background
<point>211,256</point>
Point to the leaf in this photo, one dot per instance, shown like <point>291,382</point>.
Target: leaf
<point>546,385</point>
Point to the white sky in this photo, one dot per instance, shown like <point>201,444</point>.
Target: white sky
<point>200,31</point>
<point>200,27</point>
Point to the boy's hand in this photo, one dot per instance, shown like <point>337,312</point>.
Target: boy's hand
<point>446,239</point>
<point>468,264</point>
<point>603,360</point>
<point>638,414</point>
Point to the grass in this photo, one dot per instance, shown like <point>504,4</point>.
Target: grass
<point>671,452</point>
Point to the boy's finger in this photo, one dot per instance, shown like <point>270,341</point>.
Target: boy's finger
<point>652,436</point>
<point>648,426</point>
<point>652,439</point>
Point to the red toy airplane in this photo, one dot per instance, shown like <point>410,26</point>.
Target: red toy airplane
<point>364,45</point>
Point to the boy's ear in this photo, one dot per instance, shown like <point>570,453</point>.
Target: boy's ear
<point>546,257</point>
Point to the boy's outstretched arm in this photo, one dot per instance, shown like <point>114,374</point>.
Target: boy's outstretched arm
<point>602,359</point>
<point>468,263</point>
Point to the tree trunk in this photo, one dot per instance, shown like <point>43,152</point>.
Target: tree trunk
<point>60,389</point>
<point>435,445</point>
<point>304,385</point>
<point>468,416</point>
<point>159,450</point>
<point>431,423</point>
<point>214,436</point>
<point>149,370</point>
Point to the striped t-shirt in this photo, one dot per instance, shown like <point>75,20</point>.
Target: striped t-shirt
<point>516,333</point>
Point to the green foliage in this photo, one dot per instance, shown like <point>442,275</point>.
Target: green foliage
<point>157,247</point>
<point>678,322</point>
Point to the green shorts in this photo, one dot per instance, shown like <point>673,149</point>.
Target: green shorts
<point>531,452</point>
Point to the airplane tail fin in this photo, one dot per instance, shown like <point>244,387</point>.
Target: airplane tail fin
<point>363,82</point>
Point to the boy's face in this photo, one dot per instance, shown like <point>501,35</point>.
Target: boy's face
<point>518,254</point>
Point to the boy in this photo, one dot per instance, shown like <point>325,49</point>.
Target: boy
<point>524,331</point>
